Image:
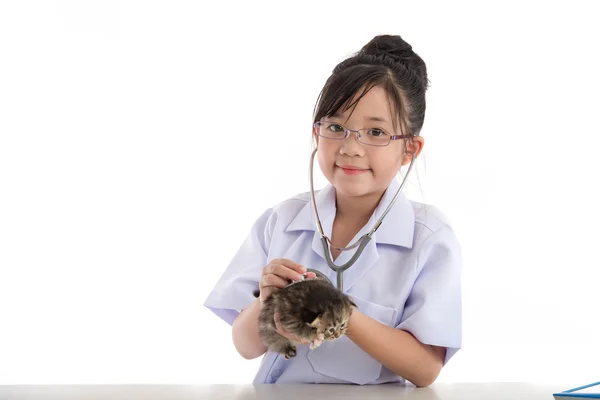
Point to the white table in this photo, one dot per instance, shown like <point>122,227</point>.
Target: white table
<point>438,391</point>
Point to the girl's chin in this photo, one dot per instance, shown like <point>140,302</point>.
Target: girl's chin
<point>352,188</point>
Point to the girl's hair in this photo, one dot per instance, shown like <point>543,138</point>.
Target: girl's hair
<point>387,61</point>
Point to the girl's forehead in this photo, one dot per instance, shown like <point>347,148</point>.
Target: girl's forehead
<point>374,106</point>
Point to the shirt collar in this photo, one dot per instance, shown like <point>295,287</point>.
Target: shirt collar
<point>397,228</point>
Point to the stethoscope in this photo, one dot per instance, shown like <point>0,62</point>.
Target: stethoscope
<point>361,243</point>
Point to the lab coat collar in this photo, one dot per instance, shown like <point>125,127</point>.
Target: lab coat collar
<point>396,229</point>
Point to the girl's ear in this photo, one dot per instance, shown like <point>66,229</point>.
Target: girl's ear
<point>412,148</point>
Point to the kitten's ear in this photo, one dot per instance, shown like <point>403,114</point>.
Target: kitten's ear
<point>310,317</point>
<point>317,321</point>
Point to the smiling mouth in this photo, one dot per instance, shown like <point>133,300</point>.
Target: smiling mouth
<point>351,170</point>
<point>350,166</point>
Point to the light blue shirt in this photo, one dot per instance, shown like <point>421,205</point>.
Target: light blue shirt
<point>408,277</point>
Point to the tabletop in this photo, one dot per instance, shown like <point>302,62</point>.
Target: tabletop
<point>437,391</point>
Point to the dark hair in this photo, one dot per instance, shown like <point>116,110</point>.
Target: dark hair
<point>387,61</point>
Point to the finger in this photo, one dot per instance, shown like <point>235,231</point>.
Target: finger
<point>274,281</point>
<point>290,264</point>
<point>311,275</point>
<point>265,293</point>
<point>285,334</point>
<point>285,272</point>
<point>293,266</point>
<point>281,330</point>
<point>289,336</point>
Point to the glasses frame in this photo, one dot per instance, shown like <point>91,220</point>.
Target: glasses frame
<point>347,132</point>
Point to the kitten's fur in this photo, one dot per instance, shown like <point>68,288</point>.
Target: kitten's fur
<point>311,309</point>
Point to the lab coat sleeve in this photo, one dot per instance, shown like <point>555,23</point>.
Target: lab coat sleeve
<point>433,310</point>
<point>233,291</point>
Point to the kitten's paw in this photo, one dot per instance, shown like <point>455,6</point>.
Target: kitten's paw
<point>315,343</point>
<point>290,352</point>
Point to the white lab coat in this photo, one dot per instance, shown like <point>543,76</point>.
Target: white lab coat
<point>408,277</point>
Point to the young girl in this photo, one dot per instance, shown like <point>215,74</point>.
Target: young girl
<point>406,284</point>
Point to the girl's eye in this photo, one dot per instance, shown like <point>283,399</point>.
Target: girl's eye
<point>336,128</point>
<point>376,132</point>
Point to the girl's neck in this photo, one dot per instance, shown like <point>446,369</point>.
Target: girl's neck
<point>358,209</point>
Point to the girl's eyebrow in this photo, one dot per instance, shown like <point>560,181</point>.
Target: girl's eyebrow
<point>377,119</point>
<point>371,118</point>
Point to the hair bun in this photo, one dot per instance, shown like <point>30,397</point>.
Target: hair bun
<point>391,45</point>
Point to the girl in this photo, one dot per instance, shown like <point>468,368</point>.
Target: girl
<point>406,284</point>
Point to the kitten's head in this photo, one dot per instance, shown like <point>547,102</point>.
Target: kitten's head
<point>332,318</point>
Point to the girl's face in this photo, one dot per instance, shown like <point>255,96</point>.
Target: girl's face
<point>356,169</point>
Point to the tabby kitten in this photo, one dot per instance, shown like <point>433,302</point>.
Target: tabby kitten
<point>312,309</point>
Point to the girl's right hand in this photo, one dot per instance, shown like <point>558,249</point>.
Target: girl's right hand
<point>277,275</point>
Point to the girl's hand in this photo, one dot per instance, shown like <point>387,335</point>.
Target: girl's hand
<point>286,334</point>
<point>277,275</point>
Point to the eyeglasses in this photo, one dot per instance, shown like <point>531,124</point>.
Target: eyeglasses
<point>371,136</point>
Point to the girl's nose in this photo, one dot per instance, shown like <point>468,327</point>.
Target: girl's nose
<point>351,146</point>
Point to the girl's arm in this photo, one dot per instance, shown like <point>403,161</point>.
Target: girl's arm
<point>245,336</point>
<point>274,276</point>
<point>397,350</point>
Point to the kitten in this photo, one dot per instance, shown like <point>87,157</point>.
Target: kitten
<point>311,309</point>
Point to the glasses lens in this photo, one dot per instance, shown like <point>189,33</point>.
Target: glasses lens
<point>374,137</point>
<point>331,130</point>
<point>371,137</point>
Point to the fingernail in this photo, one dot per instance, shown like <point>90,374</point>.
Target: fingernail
<point>302,268</point>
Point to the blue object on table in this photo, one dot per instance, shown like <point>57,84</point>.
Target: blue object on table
<point>572,393</point>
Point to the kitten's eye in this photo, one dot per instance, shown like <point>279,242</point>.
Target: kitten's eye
<point>331,330</point>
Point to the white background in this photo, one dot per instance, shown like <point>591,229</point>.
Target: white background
<point>121,202</point>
